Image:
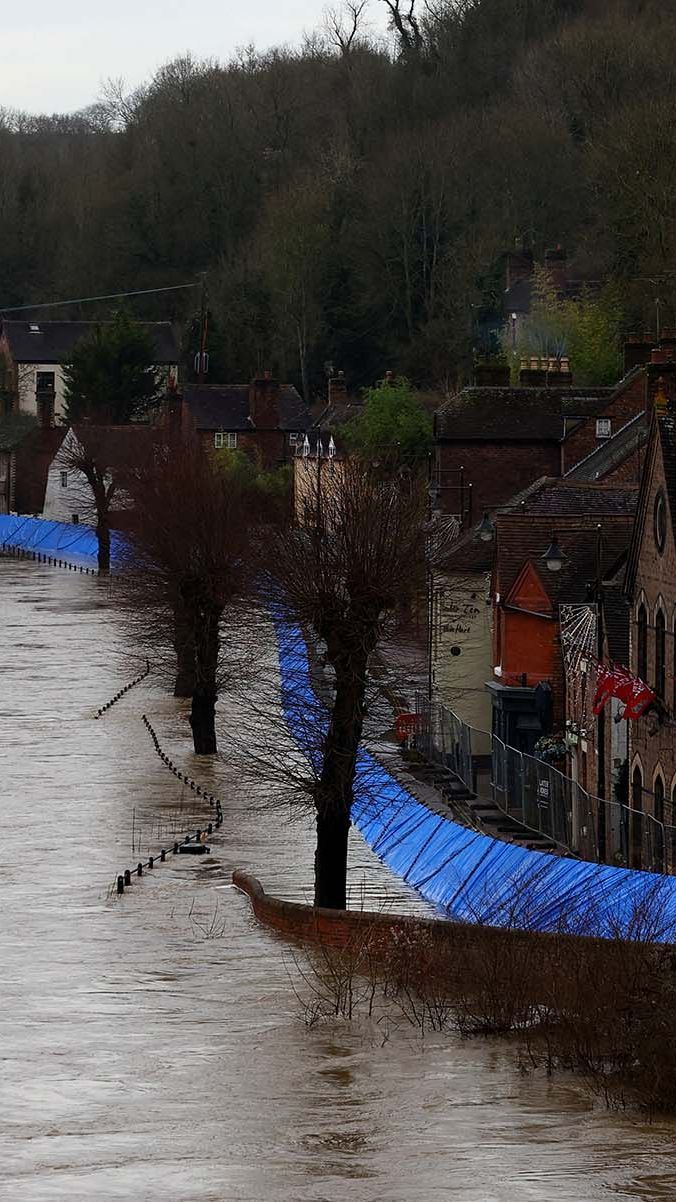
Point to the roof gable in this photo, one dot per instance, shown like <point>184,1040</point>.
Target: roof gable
<point>214,408</point>
<point>529,593</point>
<point>659,473</point>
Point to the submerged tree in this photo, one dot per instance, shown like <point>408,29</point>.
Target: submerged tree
<point>341,575</point>
<point>187,563</point>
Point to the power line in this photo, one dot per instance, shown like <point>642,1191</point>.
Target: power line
<point>109,296</point>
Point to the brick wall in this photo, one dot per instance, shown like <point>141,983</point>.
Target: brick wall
<point>629,401</point>
<point>655,579</point>
<point>495,470</point>
<point>381,932</point>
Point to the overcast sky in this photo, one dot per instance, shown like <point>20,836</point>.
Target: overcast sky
<point>55,54</point>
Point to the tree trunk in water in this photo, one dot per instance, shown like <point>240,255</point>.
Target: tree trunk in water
<point>205,694</point>
<point>334,793</point>
<point>103,537</point>
<point>203,721</point>
<point>184,646</point>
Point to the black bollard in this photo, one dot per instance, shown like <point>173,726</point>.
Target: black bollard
<point>163,856</point>
<point>127,876</point>
<point>151,862</point>
<point>139,869</point>
<point>120,884</point>
<point>175,849</point>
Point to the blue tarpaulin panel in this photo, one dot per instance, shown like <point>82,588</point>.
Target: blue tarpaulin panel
<point>470,876</point>
<point>73,543</point>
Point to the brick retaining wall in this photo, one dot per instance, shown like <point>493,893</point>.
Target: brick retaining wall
<point>381,932</point>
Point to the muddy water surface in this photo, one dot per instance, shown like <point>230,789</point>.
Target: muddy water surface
<point>153,1047</point>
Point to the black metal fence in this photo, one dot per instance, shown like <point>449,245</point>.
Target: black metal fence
<point>544,799</point>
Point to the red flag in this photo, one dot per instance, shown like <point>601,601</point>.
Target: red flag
<point>617,682</point>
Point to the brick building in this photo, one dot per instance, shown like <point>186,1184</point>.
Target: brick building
<point>263,418</point>
<point>651,591</point>
<point>496,440</point>
<point>591,526</point>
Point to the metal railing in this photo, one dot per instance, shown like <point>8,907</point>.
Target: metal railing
<point>544,799</point>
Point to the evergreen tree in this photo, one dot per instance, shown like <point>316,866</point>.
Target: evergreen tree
<point>110,377</point>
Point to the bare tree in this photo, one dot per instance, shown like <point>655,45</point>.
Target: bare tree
<point>101,460</point>
<point>343,27</point>
<point>341,576</point>
<point>404,20</point>
<point>187,563</point>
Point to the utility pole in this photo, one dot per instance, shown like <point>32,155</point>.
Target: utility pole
<point>202,358</point>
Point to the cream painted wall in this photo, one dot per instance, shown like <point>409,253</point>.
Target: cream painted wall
<point>463,620</point>
<point>26,384</point>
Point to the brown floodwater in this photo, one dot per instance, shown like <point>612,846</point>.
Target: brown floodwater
<point>153,1047</point>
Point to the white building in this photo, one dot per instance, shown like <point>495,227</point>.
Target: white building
<point>33,354</point>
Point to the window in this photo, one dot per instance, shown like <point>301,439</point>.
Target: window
<point>218,441</point>
<point>225,440</point>
<point>293,439</point>
<point>231,442</point>
<point>603,427</point>
<point>44,381</point>
<point>660,521</point>
<point>636,827</point>
<point>660,653</point>
<point>64,479</point>
<point>642,642</point>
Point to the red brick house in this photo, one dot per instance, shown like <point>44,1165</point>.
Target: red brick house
<point>591,524</point>
<point>497,440</point>
<point>264,419</point>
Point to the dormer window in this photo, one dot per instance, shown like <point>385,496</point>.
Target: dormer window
<point>33,327</point>
<point>603,427</point>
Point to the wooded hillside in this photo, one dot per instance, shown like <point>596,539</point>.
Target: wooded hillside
<point>352,205</point>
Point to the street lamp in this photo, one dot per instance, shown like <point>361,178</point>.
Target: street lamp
<point>554,557</point>
<point>486,530</point>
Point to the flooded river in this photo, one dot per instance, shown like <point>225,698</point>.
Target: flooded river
<point>153,1046</point>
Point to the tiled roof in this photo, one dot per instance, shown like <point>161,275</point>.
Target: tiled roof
<point>550,497</point>
<point>227,408</point>
<point>518,414</point>
<point>614,451</point>
<point>53,341</point>
<point>570,585</point>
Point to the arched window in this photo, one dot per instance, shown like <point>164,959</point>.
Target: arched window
<point>642,642</point>
<point>636,825</point>
<point>660,654</point>
<point>658,827</point>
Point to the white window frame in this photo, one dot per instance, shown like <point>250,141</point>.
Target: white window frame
<point>218,440</point>
<point>231,441</point>
<point>604,427</point>
<point>293,439</point>
<point>64,479</point>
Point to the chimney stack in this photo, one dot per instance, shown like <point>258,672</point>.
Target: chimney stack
<point>264,402</point>
<point>556,267</point>
<point>337,390</point>
<point>491,373</point>
<point>518,265</point>
<point>545,372</point>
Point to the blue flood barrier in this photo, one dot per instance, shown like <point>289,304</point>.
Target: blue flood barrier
<point>62,540</point>
<point>469,876</point>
